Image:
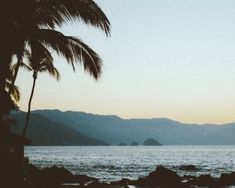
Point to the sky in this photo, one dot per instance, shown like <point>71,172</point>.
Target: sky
<point>165,58</point>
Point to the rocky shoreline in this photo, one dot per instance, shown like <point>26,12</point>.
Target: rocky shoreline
<point>161,177</point>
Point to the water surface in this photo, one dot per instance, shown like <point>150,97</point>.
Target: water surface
<point>115,162</point>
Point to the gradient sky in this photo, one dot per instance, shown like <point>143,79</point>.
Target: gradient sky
<point>165,58</point>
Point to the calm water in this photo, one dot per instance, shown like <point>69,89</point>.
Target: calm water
<point>115,162</point>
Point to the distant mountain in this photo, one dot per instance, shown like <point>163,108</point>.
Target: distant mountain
<point>114,130</point>
<point>43,131</point>
<point>151,142</point>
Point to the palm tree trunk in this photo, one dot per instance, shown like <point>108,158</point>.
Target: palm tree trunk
<point>29,104</point>
<point>15,74</point>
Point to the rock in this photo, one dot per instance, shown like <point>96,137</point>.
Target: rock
<point>134,144</point>
<point>160,177</point>
<point>140,182</point>
<point>188,168</point>
<point>84,179</point>
<point>97,184</point>
<point>151,142</point>
<point>57,175</point>
<point>123,182</point>
<point>164,177</point>
<point>33,174</point>
<point>122,144</point>
<point>227,179</point>
<point>205,180</point>
<point>187,178</point>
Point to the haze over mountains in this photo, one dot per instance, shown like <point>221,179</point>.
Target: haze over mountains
<point>43,131</point>
<point>114,130</point>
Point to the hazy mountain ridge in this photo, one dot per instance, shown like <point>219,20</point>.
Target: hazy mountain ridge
<point>114,130</point>
<point>43,131</point>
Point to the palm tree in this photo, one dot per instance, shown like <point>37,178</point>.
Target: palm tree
<point>14,92</point>
<point>38,62</point>
<point>24,21</point>
<point>49,13</point>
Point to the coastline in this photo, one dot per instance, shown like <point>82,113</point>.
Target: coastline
<point>109,163</point>
<point>59,177</point>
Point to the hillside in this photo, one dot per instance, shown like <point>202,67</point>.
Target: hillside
<point>43,131</point>
<point>114,130</point>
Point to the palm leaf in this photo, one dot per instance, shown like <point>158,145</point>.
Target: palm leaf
<point>73,49</point>
<point>55,40</point>
<point>51,70</point>
<point>55,12</point>
<point>22,65</point>
<point>15,93</point>
<point>38,53</point>
<point>91,61</point>
<point>41,59</point>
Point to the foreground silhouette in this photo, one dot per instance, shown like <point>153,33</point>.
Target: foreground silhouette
<point>30,25</point>
<point>59,177</point>
<point>24,21</point>
<point>39,61</point>
<point>12,161</point>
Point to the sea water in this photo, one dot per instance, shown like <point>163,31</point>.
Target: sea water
<point>110,163</point>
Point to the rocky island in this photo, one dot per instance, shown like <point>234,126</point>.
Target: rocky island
<point>151,142</point>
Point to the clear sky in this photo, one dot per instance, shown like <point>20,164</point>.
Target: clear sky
<point>165,58</point>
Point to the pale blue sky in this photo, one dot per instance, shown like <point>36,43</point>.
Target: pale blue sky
<point>165,58</point>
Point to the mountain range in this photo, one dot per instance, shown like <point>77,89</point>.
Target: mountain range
<point>43,131</point>
<point>113,130</point>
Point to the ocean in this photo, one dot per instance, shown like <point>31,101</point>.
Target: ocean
<point>110,163</point>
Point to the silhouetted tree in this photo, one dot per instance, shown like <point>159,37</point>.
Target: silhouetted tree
<point>35,20</point>
<point>13,90</point>
<point>39,61</point>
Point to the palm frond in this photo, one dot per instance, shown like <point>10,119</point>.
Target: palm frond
<point>41,59</point>
<point>10,73</point>
<point>38,54</point>
<point>51,70</point>
<point>55,40</point>
<point>55,12</point>
<point>22,65</point>
<point>15,93</point>
<point>91,61</point>
<point>27,55</point>
<point>73,49</point>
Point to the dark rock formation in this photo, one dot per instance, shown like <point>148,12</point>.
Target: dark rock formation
<point>122,144</point>
<point>34,175</point>
<point>160,177</point>
<point>151,142</point>
<point>84,179</point>
<point>59,177</point>
<point>97,184</point>
<point>134,144</point>
<point>188,168</point>
<point>205,180</point>
<point>123,182</point>
<point>227,179</point>
<point>55,176</point>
